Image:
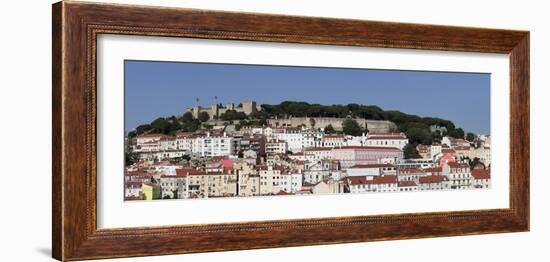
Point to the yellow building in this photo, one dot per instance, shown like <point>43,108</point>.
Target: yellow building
<point>151,191</point>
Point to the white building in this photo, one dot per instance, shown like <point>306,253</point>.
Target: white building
<point>166,169</point>
<point>184,140</point>
<point>398,140</point>
<point>410,174</point>
<point>317,171</point>
<point>276,146</point>
<point>484,154</point>
<point>275,179</point>
<point>407,186</point>
<point>358,184</point>
<point>293,137</point>
<point>481,178</point>
<point>371,170</point>
<point>458,174</point>
<point>433,183</point>
<point>387,183</point>
<point>333,141</point>
<point>270,179</point>
<point>173,186</point>
<point>317,153</point>
<point>168,143</point>
<point>146,138</point>
<point>435,150</point>
<point>451,141</point>
<point>213,145</point>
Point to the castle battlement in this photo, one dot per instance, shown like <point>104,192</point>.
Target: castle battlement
<point>215,110</point>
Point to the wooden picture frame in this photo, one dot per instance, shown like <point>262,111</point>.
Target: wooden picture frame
<point>76,26</point>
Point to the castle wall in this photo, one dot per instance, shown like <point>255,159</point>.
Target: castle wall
<point>378,126</point>
<point>247,107</point>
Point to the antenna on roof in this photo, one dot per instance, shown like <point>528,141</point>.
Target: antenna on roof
<point>215,100</point>
<point>197,101</point>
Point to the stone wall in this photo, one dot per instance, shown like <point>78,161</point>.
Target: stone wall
<point>378,126</point>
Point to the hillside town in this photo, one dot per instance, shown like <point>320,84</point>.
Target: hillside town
<point>294,158</point>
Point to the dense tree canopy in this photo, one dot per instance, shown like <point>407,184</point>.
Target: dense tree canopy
<point>470,137</point>
<point>418,129</point>
<point>409,151</point>
<point>203,116</point>
<point>329,129</point>
<point>351,127</point>
<point>232,115</point>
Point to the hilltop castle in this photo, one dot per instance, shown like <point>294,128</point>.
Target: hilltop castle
<point>247,107</point>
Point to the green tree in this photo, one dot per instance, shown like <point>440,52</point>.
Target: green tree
<point>191,126</point>
<point>419,136</point>
<point>312,122</point>
<point>132,134</point>
<point>141,129</point>
<point>188,116</point>
<point>470,137</point>
<point>476,161</point>
<point>160,125</point>
<point>329,129</point>
<point>409,151</point>
<point>456,133</point>
<point>351,127</point>
<point>203,116</point>
<point>232,115</point>
<point>129,158</point>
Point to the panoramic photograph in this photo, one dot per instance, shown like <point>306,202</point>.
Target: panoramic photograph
<point>208,130</point>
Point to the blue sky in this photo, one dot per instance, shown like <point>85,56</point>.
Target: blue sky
<point>154,89</point>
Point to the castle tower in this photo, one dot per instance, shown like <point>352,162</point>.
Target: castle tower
<point>249,107</point>
<point>214,111</point>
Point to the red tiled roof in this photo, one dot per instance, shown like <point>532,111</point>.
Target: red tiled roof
<point>358,180</point>
<point>457,165</point>
<point>152,135</point>
<point>137,174</point>
<point>432,179</point>
<point>372,166</point>
<point>481,173</point>
<point>187,135</point>
<point>433,170</point>
<point>183,171</point>
<point>386,134</point>
<point>133,184</point>
<point>407,183</point>
<point>386,138</point>
<point>369,148</point>
<point>387,179</point>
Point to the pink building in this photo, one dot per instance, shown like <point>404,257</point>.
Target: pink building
<point>362,155</point>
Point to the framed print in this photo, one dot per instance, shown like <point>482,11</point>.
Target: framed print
<point>195,131</point>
